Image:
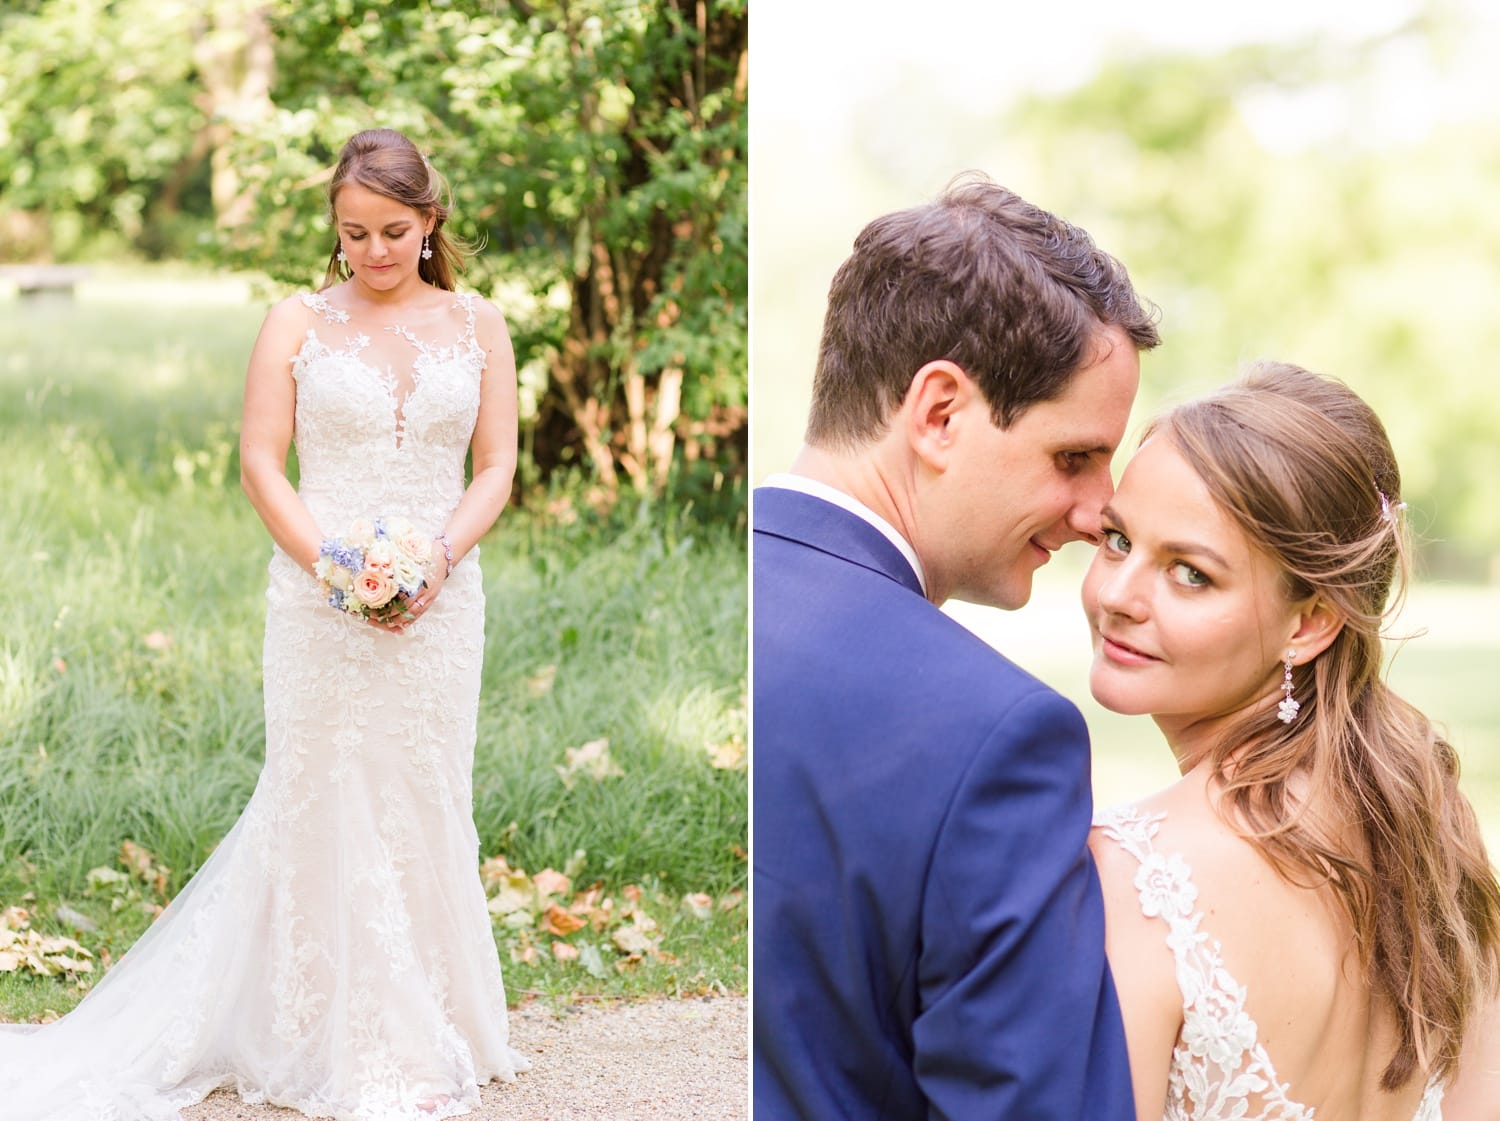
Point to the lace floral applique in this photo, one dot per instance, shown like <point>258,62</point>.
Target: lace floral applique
<point>320,304</point>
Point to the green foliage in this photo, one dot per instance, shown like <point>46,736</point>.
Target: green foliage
<point>130,697</point>
<point>596,149</point>
<point>97,127</point>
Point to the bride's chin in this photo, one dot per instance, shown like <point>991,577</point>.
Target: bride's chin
<point>1125,702</point>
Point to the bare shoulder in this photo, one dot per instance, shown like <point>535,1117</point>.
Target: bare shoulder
<point>487,317</point>
<point>283,329</point>
<point>1186,825</point>
<point>490,330</point>
<point>290,312</point>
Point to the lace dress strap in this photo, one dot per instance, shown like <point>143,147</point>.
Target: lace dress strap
<point>320,304</point>
<point>1218,1064</point>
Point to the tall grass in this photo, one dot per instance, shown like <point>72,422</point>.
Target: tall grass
<point>130,687</point>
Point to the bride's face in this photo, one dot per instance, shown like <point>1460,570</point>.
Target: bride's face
<point>381,238</point>
<point>1189,621</point>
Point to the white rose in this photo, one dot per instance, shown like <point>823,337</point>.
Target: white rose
<point>408,574</point>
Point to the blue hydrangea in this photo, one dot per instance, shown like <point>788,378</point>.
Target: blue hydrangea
<point>345,556</point>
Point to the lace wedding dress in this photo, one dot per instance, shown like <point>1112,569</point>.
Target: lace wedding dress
<point>1220,1071</point>
<point>334,953</point>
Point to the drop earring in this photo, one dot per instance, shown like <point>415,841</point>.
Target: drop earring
<point>1287,710</point>
<point>426,249</point>
<point>341,257</point>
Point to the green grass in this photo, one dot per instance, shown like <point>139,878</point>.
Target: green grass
<point>119,493</point>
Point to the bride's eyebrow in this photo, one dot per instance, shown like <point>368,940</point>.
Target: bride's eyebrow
<point>1192,549</point>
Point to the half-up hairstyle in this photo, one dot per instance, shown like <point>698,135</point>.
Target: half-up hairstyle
<point>386,162</point>
<point>1305,468</point>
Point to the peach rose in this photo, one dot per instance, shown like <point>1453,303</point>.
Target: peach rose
<point>374,588</point>
<point>415,546</point>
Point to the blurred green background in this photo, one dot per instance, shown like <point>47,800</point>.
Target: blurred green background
<point>1307,182</point>
<point>593,151</point>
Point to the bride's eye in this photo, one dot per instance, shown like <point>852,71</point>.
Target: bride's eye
<point>1189,576</point>
<point>1116,542</point>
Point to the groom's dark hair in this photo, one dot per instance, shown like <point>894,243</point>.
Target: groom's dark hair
<point>1010,293</point>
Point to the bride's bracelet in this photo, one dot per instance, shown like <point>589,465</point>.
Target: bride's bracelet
<point>447,551</point>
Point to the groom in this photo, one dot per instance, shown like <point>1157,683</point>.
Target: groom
<point>929,934</point>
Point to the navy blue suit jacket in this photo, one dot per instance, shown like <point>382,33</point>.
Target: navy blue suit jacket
<point>929,931</point>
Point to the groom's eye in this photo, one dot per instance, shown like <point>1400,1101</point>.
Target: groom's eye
<point>1072,462</point>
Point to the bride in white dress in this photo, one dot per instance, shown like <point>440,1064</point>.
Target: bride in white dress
<point>1307,923</point>
<point>334,954</point>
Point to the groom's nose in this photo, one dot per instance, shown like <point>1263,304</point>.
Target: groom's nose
<point>1094,489</point>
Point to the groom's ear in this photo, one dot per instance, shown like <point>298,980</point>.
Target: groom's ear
<point>938,393</point>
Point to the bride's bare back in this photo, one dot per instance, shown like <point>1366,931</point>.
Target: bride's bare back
<point>1260,994</point>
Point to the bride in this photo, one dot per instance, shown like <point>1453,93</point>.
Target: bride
<point>334,954</point>
<point>1307,920</point>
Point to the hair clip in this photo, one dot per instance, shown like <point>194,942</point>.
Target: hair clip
<point>1387,511</point>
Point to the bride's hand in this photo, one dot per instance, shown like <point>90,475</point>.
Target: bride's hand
<point>436,576</point>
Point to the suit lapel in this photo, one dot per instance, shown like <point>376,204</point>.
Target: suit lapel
<point>820,525</point>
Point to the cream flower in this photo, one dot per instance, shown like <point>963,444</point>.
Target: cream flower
<point>416,546</point>
<point>380,557</point>
<point>406,572</point>
<point>1165,885</point>
<point>1223,1036</point>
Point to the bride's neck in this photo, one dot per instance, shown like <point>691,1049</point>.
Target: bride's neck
<point>1193,741</point>
<point>362,296</point>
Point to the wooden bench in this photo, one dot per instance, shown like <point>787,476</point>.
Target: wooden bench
<point>36,280</point>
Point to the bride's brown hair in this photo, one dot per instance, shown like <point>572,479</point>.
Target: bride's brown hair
<point>386,162</point>
<point>1305,468</point>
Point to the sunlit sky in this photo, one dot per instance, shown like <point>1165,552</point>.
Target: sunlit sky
<point>813,62</point>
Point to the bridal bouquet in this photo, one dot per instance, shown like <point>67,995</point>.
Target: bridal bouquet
<point>364,572</point>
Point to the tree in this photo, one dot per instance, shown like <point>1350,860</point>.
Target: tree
<point>97,126</point>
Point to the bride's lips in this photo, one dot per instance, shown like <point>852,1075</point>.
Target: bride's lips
<point>1123,653</point>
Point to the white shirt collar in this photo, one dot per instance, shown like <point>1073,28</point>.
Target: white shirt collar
<point>788,481</point>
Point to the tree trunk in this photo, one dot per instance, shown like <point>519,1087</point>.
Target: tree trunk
<point>235,53</point>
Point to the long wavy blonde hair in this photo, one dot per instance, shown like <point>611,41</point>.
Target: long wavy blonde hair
<point>1305,468</point>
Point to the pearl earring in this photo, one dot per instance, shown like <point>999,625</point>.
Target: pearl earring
<point>1287,710</point>
<point>341,256</point>
<point>426,249</point>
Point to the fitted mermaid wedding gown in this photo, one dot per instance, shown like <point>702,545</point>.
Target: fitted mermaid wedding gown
<point>334,953</point>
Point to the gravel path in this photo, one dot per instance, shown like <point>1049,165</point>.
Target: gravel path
<point>662,1060</point>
